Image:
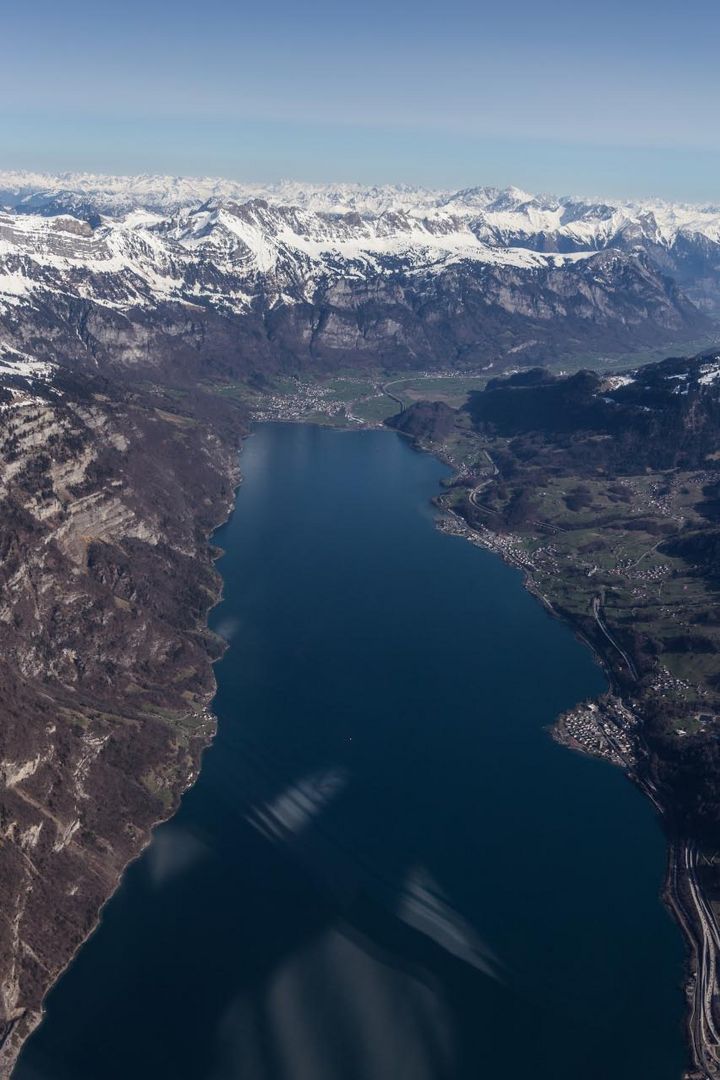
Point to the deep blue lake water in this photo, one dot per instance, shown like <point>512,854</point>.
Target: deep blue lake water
<point>386,870</point>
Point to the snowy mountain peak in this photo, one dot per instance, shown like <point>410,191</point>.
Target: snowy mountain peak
<point>390,271</point>
<point>505,212</point>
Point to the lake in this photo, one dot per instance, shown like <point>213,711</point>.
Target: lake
<point>386,870</point>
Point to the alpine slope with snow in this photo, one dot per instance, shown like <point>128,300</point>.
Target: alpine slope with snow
<point>163,272</point>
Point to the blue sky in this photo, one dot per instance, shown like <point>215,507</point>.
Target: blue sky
<point>612,98</point>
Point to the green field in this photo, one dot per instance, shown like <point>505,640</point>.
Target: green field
<point>452,389</point>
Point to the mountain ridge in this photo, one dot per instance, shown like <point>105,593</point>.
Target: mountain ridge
<point>177,191</point>
<point>166,273</point>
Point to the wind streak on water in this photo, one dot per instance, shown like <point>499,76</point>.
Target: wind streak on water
<point>421,903</point>
<point>296,807</point>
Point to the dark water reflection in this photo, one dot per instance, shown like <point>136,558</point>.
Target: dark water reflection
<point>387,871</point>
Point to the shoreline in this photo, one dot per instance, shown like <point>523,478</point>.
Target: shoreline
<point>702,943</point>
<point>11,1048</point>
<point>704,1064</point>
<point>626,752</point>
<point>703,953</point>
<point>698,927</point>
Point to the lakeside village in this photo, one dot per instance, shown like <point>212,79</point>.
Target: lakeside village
<point>603,728</point>
<point>305,399</point>
<point>344,397</point>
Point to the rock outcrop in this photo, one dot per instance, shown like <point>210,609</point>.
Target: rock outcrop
<point>106,577</point>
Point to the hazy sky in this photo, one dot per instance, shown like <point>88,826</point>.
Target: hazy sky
<point>611,98</point>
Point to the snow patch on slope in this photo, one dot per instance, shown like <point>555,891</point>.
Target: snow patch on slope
<point>710,373</point>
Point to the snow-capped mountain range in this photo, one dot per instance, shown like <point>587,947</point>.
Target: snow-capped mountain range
<point>127,268</point>
<point>119,195</point>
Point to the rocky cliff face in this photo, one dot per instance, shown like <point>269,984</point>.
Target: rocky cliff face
<point>106,578</point>
<point>313,279</point>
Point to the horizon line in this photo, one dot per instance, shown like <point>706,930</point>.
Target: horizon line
<point>399,186</point>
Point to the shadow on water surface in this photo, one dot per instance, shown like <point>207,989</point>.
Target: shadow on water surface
<point>386,870</point>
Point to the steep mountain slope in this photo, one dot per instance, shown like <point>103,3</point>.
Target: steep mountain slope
<point>106,578</point>
<point>661,416</point>
<point>323,277</point>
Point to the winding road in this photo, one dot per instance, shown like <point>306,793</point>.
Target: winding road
<point>389,393</point>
